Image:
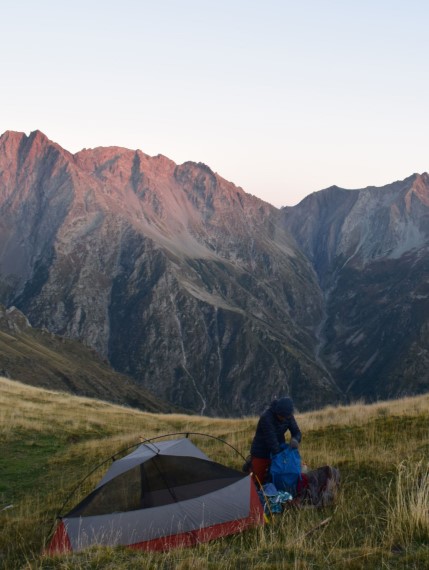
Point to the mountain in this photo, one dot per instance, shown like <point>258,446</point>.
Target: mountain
<point>208,297</point>
<point>370,249</point>
<point>179,278</point>
<point>42,359</point>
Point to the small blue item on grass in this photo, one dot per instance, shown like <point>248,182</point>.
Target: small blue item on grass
<point>272,499</point>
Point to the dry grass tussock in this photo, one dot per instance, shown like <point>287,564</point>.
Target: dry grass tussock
<point>408,513</point>
<point>360,414</point>
<point>49,441</point>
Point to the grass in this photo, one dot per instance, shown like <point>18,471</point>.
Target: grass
<point>49,441</point>
<point>408,513</point>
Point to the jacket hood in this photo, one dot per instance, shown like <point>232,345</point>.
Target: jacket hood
<point>282,407</point>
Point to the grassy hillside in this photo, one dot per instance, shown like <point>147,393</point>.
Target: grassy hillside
<point>40,358</point>
<point>49,441</point>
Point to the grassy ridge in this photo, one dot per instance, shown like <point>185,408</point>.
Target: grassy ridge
<point>49,441</point>
<point>40,358</point>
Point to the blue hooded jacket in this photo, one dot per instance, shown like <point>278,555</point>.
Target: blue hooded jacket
<point>270,431</point>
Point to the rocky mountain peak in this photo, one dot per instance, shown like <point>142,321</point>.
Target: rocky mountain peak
<point>170,271</point>
<point>338,226</point>
<point>11,138</point>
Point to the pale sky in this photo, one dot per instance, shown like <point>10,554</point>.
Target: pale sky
<point>281,97</point>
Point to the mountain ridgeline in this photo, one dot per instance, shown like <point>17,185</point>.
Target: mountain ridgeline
<point>210,298</point>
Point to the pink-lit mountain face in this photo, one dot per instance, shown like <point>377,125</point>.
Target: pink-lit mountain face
<point>178,277</point>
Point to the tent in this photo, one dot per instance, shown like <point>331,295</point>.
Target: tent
<point>158,497</point>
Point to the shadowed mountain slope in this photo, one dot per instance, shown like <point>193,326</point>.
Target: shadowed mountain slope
<point>39,358</point>
<point>370,248</point>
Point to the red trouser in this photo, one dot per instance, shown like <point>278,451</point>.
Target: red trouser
<point>260,468</point>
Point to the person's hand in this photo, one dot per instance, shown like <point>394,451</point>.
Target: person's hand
<point>294,443</point>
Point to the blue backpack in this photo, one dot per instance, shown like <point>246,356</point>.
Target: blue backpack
<point>285,469</point>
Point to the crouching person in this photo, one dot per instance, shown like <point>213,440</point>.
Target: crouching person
<point>270,435</point>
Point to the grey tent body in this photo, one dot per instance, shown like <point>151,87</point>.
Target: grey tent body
<point>161,496</point>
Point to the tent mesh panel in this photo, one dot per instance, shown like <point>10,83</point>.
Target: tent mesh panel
<point>161,480</point>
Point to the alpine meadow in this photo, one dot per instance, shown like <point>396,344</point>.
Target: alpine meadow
<point>50,441</point>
